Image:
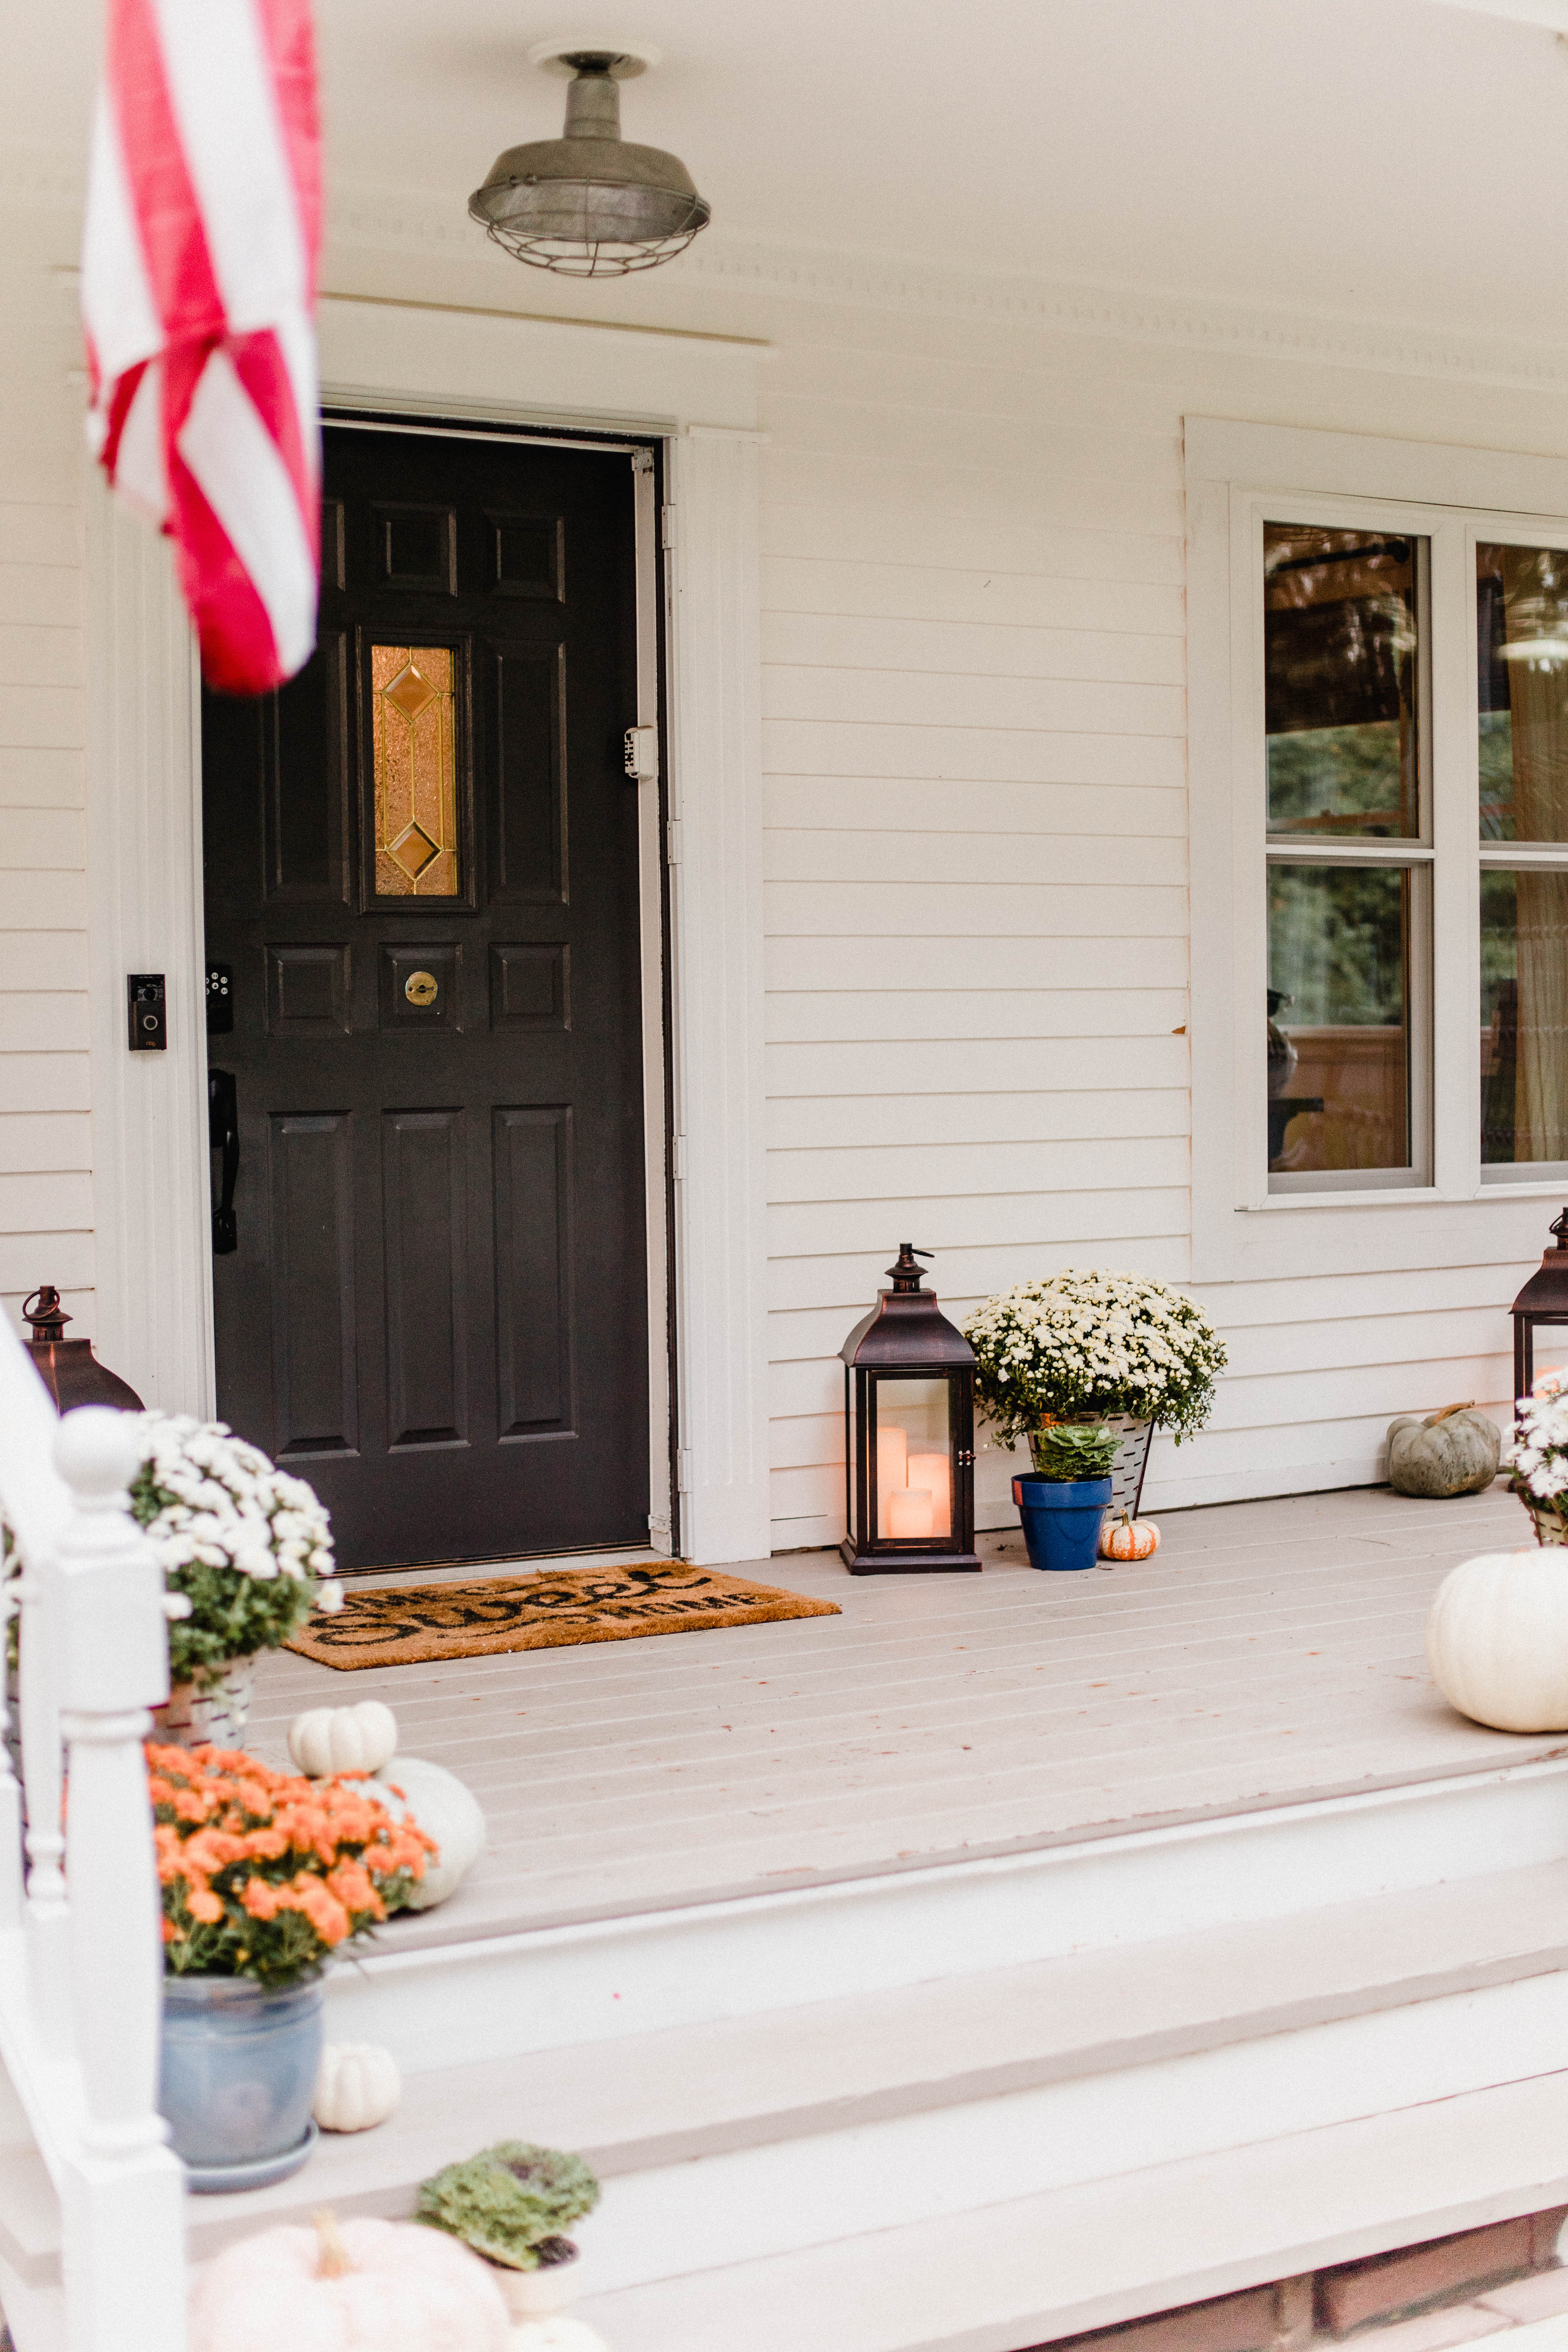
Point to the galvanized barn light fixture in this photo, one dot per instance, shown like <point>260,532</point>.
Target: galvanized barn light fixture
<point>909,1433</point>
<point>589,205</point>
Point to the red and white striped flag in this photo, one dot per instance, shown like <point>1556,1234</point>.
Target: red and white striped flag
<point>198,289</point>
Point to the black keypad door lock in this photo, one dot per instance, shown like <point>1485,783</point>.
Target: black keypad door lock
<point>220,999</point>
<point>149,1012</point>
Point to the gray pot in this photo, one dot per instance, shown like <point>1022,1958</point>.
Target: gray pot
<point>237,2075</point>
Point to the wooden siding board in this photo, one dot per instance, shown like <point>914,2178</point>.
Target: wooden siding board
<point>41,776</point>
<point>806,1016</point>
<point>968,649</point>
<point>823,586</point>
<point>39,534</point>
<point>976,704</point>
<point>798,855</point>
<point>830,746</point>
<point>1091,910</point>
<point>943,805</point>
<point>42,595</point>
<point>845,531</point>
<point>32,654</point>
<point>965,967</point>
<point>43,840</point>
<point>42,715</point>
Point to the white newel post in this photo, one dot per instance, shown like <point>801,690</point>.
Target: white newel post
<point>124,2205</point>
<point>35,1506</point>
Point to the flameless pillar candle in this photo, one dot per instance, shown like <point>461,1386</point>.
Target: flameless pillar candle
<point>892,1462</point>
<point>910,1512</point>
<point>935,1470</point>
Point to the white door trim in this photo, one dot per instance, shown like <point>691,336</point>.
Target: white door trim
<point>155,1301</point>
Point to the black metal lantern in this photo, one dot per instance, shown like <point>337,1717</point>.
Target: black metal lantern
<point>68,1367</point>
<point>1542,1301</point>
<point>909,1433</point>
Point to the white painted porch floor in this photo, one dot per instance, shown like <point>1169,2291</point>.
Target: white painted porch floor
<point>1269,1652</point>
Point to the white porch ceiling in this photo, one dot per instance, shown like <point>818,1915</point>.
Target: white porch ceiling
<point>1372,159</point>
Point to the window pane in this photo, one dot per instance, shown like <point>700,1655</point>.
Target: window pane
<point>1340,654</point>
<point>1522,632</point>
<point>1524,1017</point>
<point>1339,994</point>
<point>415,763</point>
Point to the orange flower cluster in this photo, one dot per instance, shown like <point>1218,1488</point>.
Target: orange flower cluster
<point>264,1874</point>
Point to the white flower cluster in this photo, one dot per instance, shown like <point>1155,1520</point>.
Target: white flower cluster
<point>1111,1342</point>
<point>1538,1455</point>
<point>230,1508</point>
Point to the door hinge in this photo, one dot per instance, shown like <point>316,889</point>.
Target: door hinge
<point>677,1158</point>
<point>642,461</point>
<point>666,526</point>
<point>683,1472</point>
<point>672,841</point>
<point>642,752</point>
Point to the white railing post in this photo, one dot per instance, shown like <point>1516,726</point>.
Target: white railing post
<point>124,2207</point>
<point>35,1504</point>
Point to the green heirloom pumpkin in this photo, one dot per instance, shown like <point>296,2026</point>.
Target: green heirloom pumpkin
<point>1455,1452</point>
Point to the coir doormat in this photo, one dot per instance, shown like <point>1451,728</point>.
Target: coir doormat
<point>415,1624</point>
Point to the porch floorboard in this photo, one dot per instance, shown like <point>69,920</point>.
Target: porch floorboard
<point>1268,1654</point>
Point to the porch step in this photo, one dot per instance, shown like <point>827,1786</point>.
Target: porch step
<point>912,2114</point>
<point>443,1991</point>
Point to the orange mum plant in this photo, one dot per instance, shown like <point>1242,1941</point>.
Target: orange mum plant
<point>264,1875</point>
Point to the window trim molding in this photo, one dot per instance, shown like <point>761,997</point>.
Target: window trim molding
<point>1240,1230</point>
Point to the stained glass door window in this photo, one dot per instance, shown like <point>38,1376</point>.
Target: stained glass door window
<point>414,772</point>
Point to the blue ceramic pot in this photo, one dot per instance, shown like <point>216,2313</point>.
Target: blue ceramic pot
<point>1062,1519</point>
<point>238,2070</point>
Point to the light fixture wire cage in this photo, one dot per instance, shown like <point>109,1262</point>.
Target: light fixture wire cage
<point>590,205</point>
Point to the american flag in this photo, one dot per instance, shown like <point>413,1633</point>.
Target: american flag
<point>199,290</point>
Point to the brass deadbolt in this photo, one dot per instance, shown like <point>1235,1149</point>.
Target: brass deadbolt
<point>421,988</point>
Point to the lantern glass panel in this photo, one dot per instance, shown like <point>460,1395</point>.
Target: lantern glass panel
<point>912,1460</point>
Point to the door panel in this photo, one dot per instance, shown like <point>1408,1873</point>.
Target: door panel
<point>426,1276</point>
<point>437,1306</point>
<point>313,1289</point>
<point>534,1267</point>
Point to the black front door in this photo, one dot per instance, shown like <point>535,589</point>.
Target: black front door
<point>422,925</point>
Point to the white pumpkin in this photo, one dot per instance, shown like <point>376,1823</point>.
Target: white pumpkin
<point>344,1738</point>
<point>556,2333</point>
<point>446,1808</point>
<point>1497,1639</point>
<point>367,2286</point>
<point>357,2087</point>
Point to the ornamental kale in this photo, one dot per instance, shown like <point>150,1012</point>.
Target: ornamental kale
<point>513,2203</point>
<point>1076,1344</point>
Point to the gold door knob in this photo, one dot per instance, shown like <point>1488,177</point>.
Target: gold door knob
<point>421,988</point>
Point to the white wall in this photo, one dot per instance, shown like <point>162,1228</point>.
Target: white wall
<point>977,911</point>
<point>46,1153</point>
<point>977,896</point>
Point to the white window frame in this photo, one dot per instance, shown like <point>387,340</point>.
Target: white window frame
<point>1238,476</point>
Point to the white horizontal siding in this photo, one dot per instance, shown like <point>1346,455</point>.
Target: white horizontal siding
<point>46,1140</point>
<point>976,904</point>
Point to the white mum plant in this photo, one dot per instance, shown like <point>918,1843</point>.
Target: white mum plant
<point>248,1546</point>
<point>1536,1458</point>
<point>1074,1345</point>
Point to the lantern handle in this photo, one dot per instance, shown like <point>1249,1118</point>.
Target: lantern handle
<point>1558,1227</point>
<point>906,1273</point>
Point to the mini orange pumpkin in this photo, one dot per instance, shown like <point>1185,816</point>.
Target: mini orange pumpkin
<point>1128,1538</point>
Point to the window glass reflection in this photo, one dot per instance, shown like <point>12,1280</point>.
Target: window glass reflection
<point>1342,655</point>
<point>1524,1017</point>
<point>1521,627</point>
<point>1338,1060</point>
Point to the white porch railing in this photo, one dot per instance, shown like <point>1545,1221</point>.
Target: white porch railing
<point>81,1941</point>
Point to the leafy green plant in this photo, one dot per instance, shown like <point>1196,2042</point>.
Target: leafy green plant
<point>513,2202</point>
<point>1074,1449</point>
